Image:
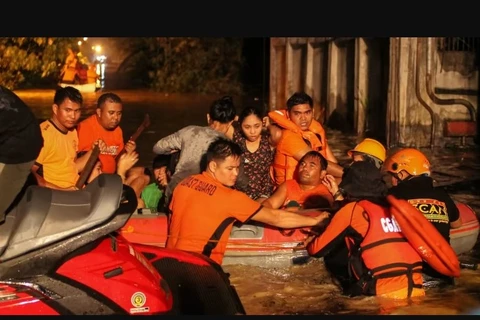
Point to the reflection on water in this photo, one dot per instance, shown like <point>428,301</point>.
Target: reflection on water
<point>300,289</point>
<point>308,289</point>
<point>100,69</point>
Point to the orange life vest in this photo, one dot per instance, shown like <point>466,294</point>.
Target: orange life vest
<point>297,194</point>
<point>284,165</point>
<point>393,255</point>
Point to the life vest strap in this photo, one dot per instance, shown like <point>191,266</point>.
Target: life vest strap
<point>380,242</point>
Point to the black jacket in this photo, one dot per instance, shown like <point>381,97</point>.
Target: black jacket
<point>20,136</point>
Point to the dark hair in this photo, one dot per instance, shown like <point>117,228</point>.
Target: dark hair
<point>221,149</point>
<point>299,98</point>
<point>108,97</point>
<point>222,110</point>
<point>166,160</point>
<point>68,92</point>
<point>316,155</point>
<point>162,160</point>
<point>248,111</point>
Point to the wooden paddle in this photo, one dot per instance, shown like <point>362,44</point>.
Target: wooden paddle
<point>88,167</point>
<point>145,124</point>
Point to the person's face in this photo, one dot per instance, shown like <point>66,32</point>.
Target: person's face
<point>356,157</point>
<point>67,114</point>
<point>301,115</point>
<point>226,172</point>
<point>110,114</point>
<point>310,171</point>
<point>252,127</point>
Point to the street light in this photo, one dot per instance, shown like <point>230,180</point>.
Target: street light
<point>98,48</point>
<point>85,38</point>
<point>79,43</point>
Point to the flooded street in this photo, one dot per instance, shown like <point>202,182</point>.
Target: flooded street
<point>302,289</point>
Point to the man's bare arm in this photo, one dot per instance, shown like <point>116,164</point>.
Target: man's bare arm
<point>277,199</point>
<point>287,220</point>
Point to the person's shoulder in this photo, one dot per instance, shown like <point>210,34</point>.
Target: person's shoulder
<point>289,134</point>
<point>73,133</point>
<point>47,127</point>
<point>88,121</point>
<point>189,129</point>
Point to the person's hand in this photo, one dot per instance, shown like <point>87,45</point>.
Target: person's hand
<point>96,171</point>
<point>102,146</point>
<point>126,162</point>
<point>331,184</point>
<point>130,146</point>
<point>322,222</point>
<point>266,121</point>
<point>162,177</point>
<point>322,217</point>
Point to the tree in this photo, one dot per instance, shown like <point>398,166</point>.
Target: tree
<point>200,65</point>
<point>31,61</point>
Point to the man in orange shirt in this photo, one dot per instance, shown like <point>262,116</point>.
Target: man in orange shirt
<point>300,133</point>
<point>104,125</point>
<point>307,191</point>
<point>205,206</point>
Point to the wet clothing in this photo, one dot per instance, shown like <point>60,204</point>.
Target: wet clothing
<point>381,260</point>
<point>20,144</point>
<point>318,197</point>
<point>90,130</point>
<point>57,157</point>
<point>193,142</point>
<point>360,180</point>
<point>256,166</point>
<point>435,204</point>
<point>203,213</point>
<point>292,141</point>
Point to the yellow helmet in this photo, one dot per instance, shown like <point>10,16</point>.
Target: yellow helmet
<point>370,147</point>
<point>411,160</point>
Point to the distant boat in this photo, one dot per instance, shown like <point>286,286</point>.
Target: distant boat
<point>85,88</point>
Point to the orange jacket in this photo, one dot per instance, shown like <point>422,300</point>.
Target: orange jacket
<point>380,258</point>
<point>284,164</point>
<point>318,197</point>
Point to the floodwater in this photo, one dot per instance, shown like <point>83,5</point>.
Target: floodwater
<point>299,289</point>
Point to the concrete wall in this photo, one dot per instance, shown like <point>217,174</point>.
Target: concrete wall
<point>373,88</point>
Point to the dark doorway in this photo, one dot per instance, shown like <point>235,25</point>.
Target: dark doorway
<point>256,69</point>
<point>378,52</point>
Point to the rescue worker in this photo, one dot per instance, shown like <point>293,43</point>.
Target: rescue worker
<point>374,153</point>
<point>300,133</point>
<point>409,170</point>
<point>380,260</point>
<point>205,206</point>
